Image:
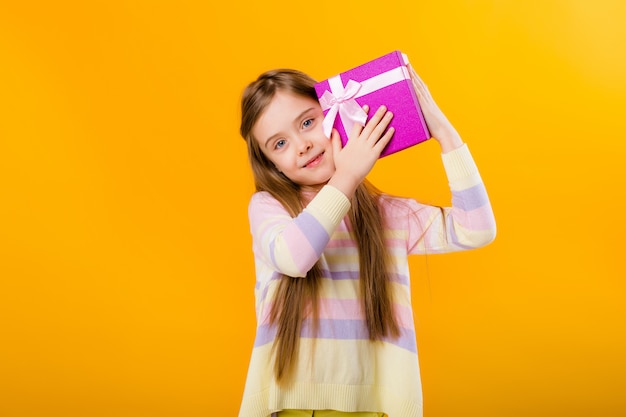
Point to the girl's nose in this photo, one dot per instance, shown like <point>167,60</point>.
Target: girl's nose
<point>305,145</point>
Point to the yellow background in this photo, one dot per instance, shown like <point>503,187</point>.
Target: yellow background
<point>125,263</point>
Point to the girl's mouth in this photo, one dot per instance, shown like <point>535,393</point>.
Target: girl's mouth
<point>314,162</point>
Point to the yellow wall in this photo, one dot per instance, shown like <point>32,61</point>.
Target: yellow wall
<point>125,264</point>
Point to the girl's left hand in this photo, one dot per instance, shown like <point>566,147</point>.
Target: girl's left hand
<point>438,125</point>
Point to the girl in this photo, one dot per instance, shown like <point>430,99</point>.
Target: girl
<point>335,333</point>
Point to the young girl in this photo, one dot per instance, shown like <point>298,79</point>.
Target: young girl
<point>335,333</point>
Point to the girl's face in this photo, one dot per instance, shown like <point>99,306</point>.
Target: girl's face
<point>290,134</point>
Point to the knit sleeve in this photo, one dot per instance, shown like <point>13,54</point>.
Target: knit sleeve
<point>468,224</point>
<point>292,246</point>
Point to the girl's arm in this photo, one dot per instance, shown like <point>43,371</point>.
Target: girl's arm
<point>469,223</point>
<point>289,245</point>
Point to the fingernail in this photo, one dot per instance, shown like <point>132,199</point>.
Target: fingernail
<point>382,108</point>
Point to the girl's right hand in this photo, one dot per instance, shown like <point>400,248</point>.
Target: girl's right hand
<point>355,160</point>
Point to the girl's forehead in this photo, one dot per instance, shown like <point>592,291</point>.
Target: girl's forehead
<point>289,99</point>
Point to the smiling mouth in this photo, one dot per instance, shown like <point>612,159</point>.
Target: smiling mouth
<point>314,161</point>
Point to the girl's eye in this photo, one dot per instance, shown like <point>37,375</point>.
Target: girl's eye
<point>307,123</point>
<point>280,143</point>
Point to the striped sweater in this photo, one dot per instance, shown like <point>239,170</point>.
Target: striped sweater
<point>339,368</point>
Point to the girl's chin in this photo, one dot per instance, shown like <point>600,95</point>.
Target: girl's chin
<point>315,187</point>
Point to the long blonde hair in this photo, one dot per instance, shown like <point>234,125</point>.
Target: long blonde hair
<point>293,295</point>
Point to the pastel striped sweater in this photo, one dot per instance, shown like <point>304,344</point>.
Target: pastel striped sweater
<point>339,368</point>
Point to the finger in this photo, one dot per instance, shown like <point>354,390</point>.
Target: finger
<point>384,140</point>
<point>357,128</point>
<point>374,121</point>
<point>335,141</point>
<point>416,78</point>
<point>355,132</point>
<point>417,81</point>
<point>380,128</point>
<point>420,86</point>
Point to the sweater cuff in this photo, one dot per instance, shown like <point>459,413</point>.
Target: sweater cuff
<point>331,202</point>
<point>459,163</point>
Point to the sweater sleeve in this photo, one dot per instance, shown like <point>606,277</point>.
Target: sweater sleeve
<point>292,246</point>
<point>468,224</point>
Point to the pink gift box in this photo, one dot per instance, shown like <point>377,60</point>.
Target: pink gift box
<point>383,81</point>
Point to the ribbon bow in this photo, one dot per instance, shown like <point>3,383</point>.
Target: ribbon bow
<point>342,102</point>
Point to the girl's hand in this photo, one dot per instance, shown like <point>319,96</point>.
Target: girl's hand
<point>355,160</point>
<point>440,128</point>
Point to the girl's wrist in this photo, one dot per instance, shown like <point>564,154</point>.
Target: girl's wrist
<point>449,141</point>
<point>344,182</point>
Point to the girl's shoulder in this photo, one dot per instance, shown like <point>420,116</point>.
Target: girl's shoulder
<point>263,201</point>
<point>263,206</point>
<point>392,203</point>
<point>394,208</point>
<point>264,198</point>
<point>261,197</point>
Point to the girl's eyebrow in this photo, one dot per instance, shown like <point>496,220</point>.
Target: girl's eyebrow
<point>300,116</point>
